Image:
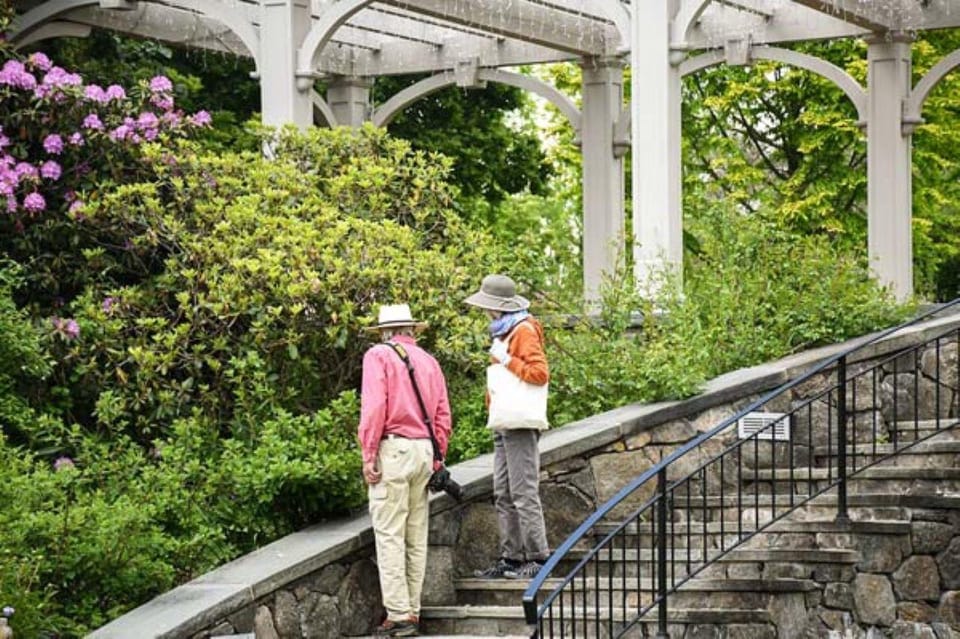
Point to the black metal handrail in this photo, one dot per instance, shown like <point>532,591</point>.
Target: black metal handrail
<point>670,566</point>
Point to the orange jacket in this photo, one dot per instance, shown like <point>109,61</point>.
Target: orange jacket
<point>528,361</point>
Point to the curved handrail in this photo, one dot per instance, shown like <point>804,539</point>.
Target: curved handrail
<point>532,611</point>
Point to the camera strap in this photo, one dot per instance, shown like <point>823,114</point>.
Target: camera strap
<point>402,354</point>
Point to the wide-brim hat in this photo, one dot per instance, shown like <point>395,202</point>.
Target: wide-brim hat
<point>498,293</point>
<point>396,316</point>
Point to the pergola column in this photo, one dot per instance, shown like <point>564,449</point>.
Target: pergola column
<point>349,99</point>
<point>285,25</point>
<point>655,106</point>
<point>603,189</point>
<point>889,159</point>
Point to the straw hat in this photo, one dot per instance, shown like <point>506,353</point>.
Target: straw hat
<point>395,316</point>
<point>498,293</point>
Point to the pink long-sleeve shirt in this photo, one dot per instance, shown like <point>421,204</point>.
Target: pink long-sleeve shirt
<point>388,404</point>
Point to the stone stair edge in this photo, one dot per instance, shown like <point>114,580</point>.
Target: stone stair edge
<point>732,584</point>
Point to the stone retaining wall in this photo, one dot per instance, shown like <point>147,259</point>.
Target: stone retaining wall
<point>322,582</point>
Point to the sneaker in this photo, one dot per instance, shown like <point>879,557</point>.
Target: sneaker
<point>528,570</point>
<point>497,570</point>
<point>388,628</point>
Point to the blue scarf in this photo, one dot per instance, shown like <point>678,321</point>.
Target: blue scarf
<point>503,324</point>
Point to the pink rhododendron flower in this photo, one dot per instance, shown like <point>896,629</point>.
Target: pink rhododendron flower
<point>11,204</point>
<point>34,202</point>
<point>76,139</point>
<point>66,327</point>
<point>26,170</point>
<point>122,132</point>
<point>148,120</point>
<point>95,93</point>
<point>161,84</point>
<point>75,206</point>
<point>40,61</point>
<point>15,74</point>
<point>162,102</point>
<point>63,463</point>
<point>53,144</point>
<point>50,170</point>
<point>108,303</point>
<point>172,118</point>
<point>116,92</point>
<point>59,77</point>
<point>201,118</point>
<point>93,122</point>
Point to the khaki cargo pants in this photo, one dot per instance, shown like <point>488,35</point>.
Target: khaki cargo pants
<point>400,514</point>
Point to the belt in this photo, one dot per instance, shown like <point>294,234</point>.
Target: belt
<point>395,436</point>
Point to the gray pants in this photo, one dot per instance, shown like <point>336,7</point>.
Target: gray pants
<point>516,478</point>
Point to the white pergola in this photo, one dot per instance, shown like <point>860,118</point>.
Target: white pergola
<point>468,43</point>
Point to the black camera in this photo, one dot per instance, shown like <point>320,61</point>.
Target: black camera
<point>441,481</point>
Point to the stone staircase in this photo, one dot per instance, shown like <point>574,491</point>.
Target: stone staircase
<point>805,575</point>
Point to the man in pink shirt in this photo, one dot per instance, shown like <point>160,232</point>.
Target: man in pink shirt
<point>398,459</point>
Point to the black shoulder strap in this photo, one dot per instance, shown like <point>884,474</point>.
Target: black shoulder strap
<point>402,354</point>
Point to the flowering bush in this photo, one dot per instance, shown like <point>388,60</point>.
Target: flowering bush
<point>60,137</point>
<point>62,142</point>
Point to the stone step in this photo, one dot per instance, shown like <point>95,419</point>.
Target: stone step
<point>782,533</point>
<point>713,593</point>
<point>870,526</point>
<point>806,474</point>
<point>619,562</point>
<point>935,446</point>
<point>864,500</point>
<point>911,431</point>
<point>506,620</point>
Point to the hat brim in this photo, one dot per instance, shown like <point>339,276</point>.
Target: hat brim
<point>489,302</point>
<point>419,326</point>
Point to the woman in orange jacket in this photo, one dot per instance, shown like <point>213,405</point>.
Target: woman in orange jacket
<point>517,384</point>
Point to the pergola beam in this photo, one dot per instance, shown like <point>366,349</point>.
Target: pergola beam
<point>527,21</point>
<point>856,14</point>
<point>709,24</point>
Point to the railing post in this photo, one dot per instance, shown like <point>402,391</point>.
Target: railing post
<point>662,554</point>
<point>842,515</point>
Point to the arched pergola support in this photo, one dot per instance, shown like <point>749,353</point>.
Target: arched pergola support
<point>46,13</point>
<point>913,107</point>
<point>53,29</point>
<point>396,104</point>
<point>322,113</point>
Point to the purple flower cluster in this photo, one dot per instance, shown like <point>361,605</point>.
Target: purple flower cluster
<point>63,463</point>
<point>85,114</point>
<point>68,328</point>
<point>9,610</point>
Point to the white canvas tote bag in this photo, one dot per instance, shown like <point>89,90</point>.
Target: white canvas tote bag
<point>515,403</point>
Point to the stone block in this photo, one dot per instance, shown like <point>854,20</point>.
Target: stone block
<point>613,471</point>
<point>438,587</point>
<point>917,579</point>
<point>949,564</point>
<point>930,537</point>
<point>942,366</point>
<point>676,432</point>
<point>838,595</point>
<point>911,630</point>
<point>478,544</point>
<point>445,527</point>
<point>880,553</point>
<point>361,609</point>
<point>564,509</point>
<point>263,627</point>
<point>918,611</point>
<point>319,618</point>
<point>873,600</point>
<point>949,609</point>
<point>286,614</point>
